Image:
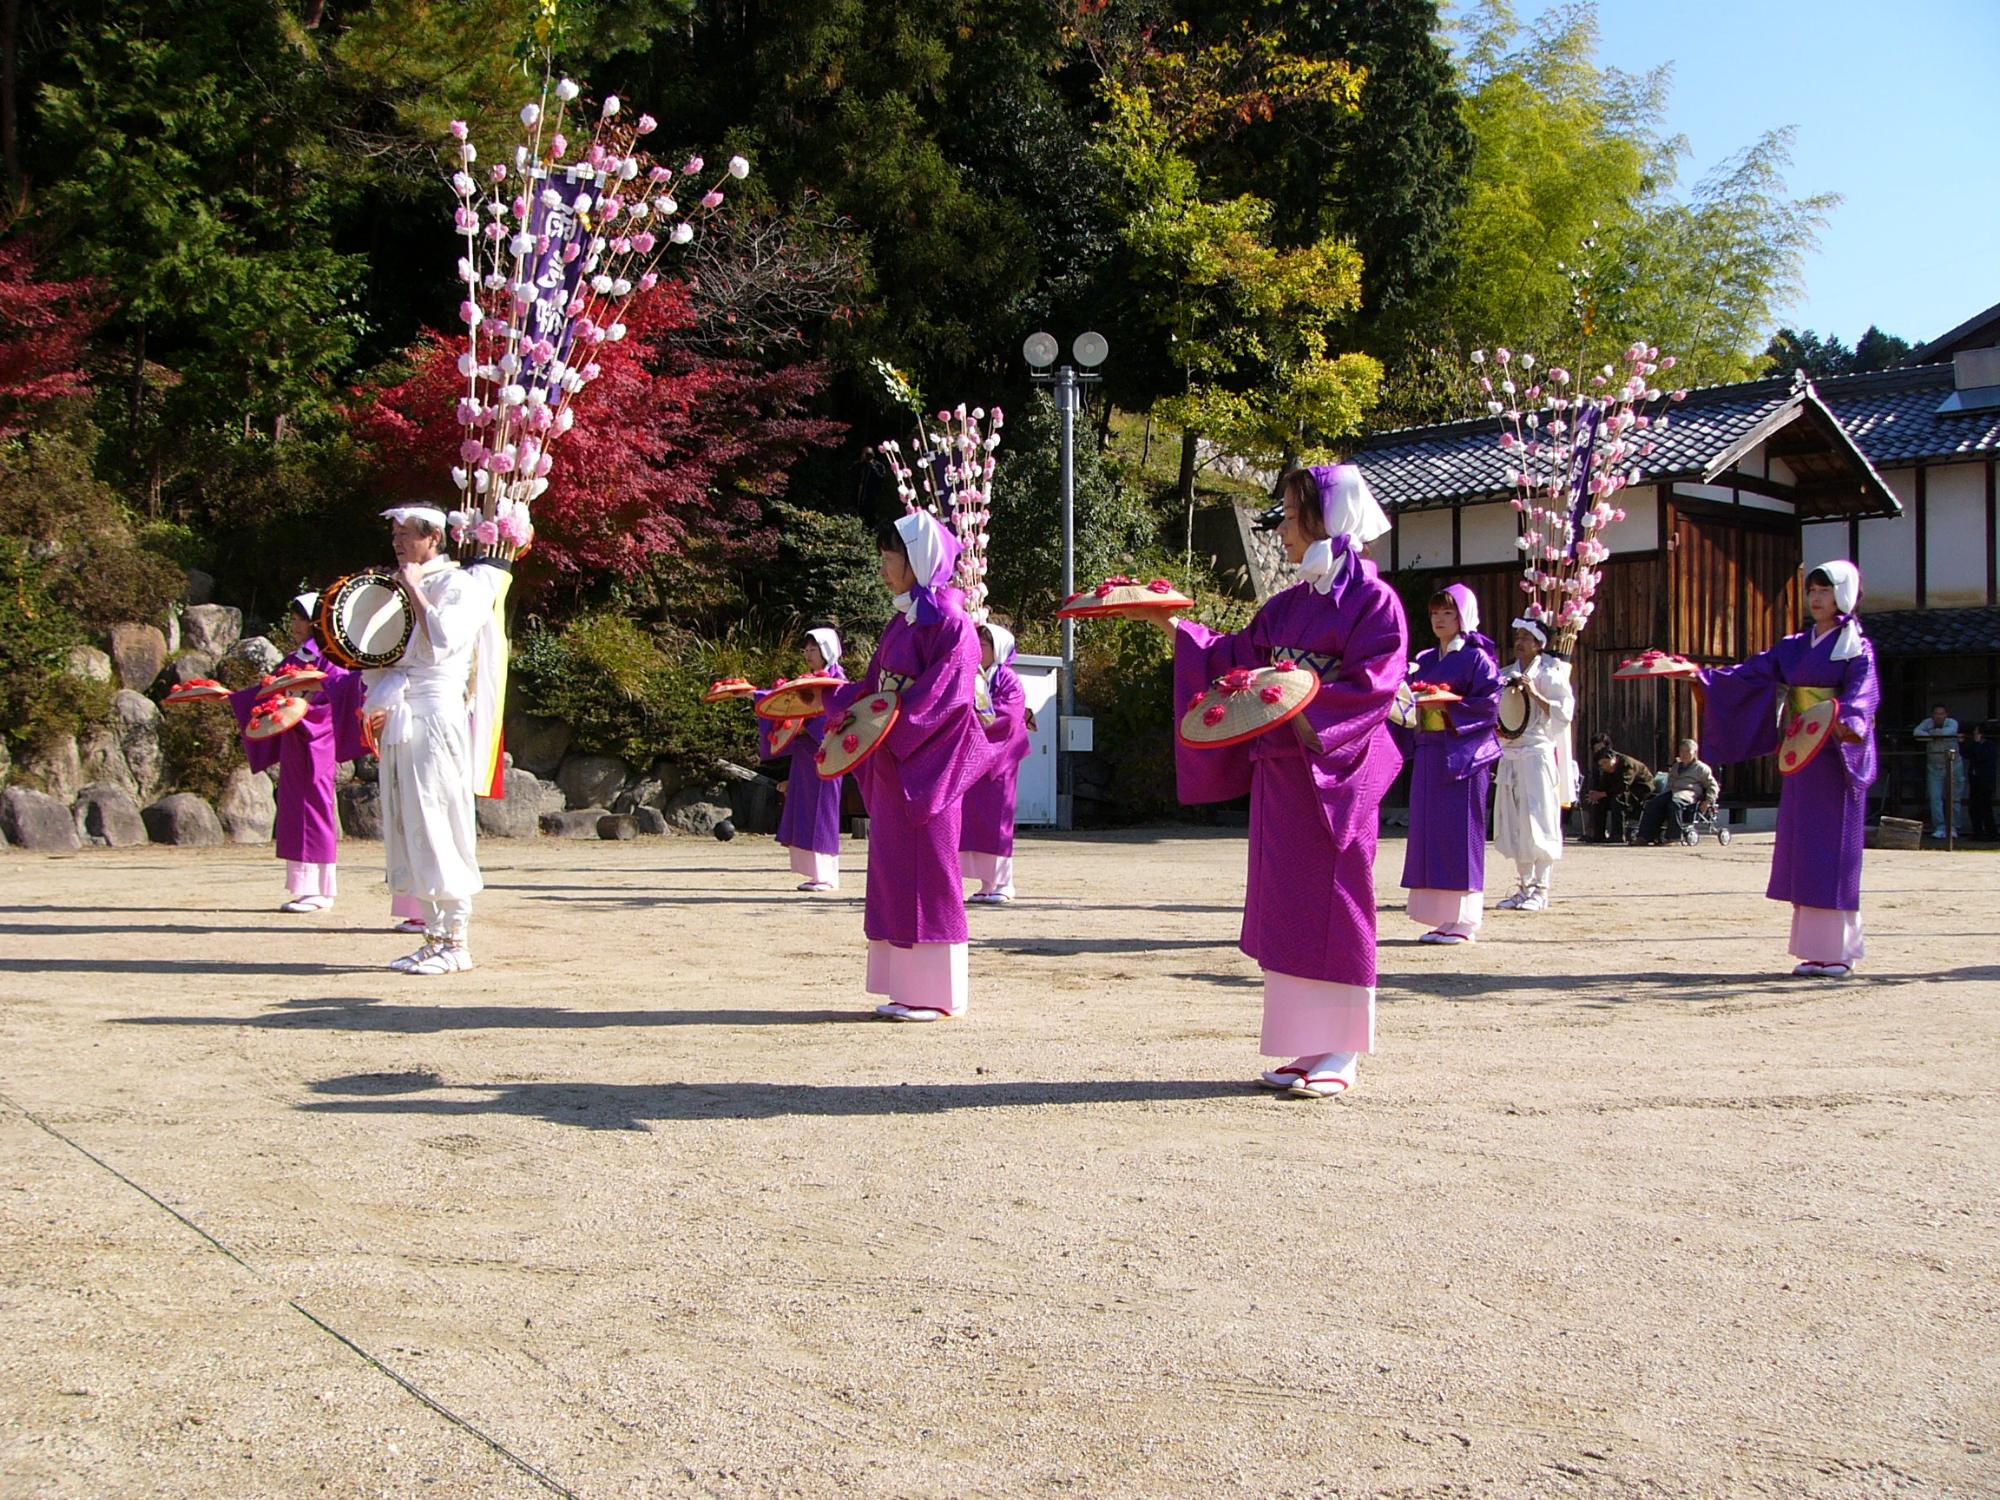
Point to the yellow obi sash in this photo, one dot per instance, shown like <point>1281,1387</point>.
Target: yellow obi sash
<point>1432,720</point>
<point>1798,700</point>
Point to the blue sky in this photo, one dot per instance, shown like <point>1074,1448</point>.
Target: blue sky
<point>1895,109</point>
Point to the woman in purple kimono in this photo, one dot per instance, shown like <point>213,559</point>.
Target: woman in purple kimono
<point>810,823</point>
<point>307,755</point>
<point>1309,909</point>
<point>986,840</point>
<point>915,784</point>
<point>1444,864</point>
<point>1816,862</point>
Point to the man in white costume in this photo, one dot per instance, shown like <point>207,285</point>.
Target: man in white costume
<point>1535,777</point>
<point>421,713</point>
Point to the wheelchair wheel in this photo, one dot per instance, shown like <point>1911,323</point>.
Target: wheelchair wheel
<point>1690,836</point>
<point>1722,837</point>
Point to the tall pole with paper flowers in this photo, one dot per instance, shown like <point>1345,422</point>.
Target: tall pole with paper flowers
<point>1570,447</point>
<point>558,234</point>
<point>948,471</point>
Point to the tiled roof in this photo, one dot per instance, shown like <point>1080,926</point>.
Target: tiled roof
<point>1890,416</point>
<point>1893,416</point>
<point>1933,632</point>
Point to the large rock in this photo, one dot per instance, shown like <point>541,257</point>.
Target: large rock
<point>538,744</point>
<point>698,809</point>
<point>754,801</point>
<point>259,652</point>
<point>138,722</point>
<point>182,818</point>
<point>649,820</point>
<point>670,777</point>
<point>518,815</point>
<point>57,766</point>
<point>578,823</point>
<point>617,826</point>
<point>360,808</point>
<point>553,799</point>
<point>200,586</point>
<point>109,815</point>
<point>138,652</point>
<point>645,792</point>
<point>35,820</point>
<point>592,780</point>
<point>172,630</point>
<point>190,665</point>
<point>211,628</point>
<point>89,663</point>
<point>102,759</point>
<point>247,807</point>
<point>6,763</point>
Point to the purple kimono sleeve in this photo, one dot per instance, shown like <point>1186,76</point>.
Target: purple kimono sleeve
<point>1480,710</point>
<point>1349,709</point>
<point>1860,695</point>
<point>935,739</point>
<point>1008,733</point>
<point>262,754</point>
<point>343,693</point>
<point>1200,656</point>
<point>1739,709</point>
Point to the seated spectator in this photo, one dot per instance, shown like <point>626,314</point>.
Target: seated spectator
<point>1982,759</point>
<point>1689,782</point>
<point>1624,782</point>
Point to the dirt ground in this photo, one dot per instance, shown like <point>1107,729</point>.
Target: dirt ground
<point>1619,1208</point>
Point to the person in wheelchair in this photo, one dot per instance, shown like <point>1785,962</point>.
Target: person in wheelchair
<point>1690,788</point>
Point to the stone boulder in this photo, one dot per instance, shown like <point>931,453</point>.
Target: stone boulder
<point>537,743</point>
<point>698,809</point>
<point>137,718</point>
<point>259,652</point>
<point>102,759</point>
<point>578,823</point>
<point>645,792</point>
<point>190,665</point>
<point>138,653</point>
<point>89,663</point>
<point>592,780</point>
<point>200,586</point>
<point>518,815</point>
<point>754,800</point>
<point>6,763</point>
<point>182,818</point>
<point>35,820</point>
<point>211,628</point>
<point>617,826</point>
<point>57,766</point>
<point>649,820</point>
<point>109,815</point>
<point>360,803</point>
<point>670,777</point>
<point>247,807</point>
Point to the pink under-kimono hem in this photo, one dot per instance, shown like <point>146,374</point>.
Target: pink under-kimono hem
<point>1305,1017</point>
<point>994,872</point>
<point>927,976</point>
<point>408,908</point>
<point>1825,936</point>
<point>305,877</point>
<point>1448,911</point>
<point>825,868</point>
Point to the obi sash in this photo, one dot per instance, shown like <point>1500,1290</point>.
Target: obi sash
<point>1322,665</point>
<point>895,682</point>
<point>1799,700</point>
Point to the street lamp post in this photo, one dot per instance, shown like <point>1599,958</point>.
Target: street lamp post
<point>1040,351</point>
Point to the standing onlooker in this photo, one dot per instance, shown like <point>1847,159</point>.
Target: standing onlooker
<point>1940,736</point>
<point>1982,758</point>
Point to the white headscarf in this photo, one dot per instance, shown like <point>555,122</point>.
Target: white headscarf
<point>1348,505</point>
<point>828,642</point>
<point>429,513</point>
<point>306,604</point>
<point>1003,644</point>
<point>933,553</point>
<point>1846,581</point>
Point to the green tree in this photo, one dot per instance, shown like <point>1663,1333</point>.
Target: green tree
<point>1819,356</point>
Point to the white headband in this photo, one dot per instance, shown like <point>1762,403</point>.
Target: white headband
<point>429,514</point>
<point>1533,628</point>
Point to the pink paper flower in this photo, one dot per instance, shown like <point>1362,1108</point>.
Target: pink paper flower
<point>1214,714</point>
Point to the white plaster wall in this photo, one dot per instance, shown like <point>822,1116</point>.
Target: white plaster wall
<point>1888,559</point>
<point>1423,539</point>
<point>1955,535</point>
<point>1486,534</point>
<point>1640,530</point>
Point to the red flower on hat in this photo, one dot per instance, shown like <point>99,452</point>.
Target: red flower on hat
<point>1160,586</point>
<point>1272,694</point>
<point>1287,665</point>
<point>880,705</point>
<point>850,743</point>
<point>1235,680</point>
<point>1214,714</point>
<point>1198,699</point>
<point>819,757</point>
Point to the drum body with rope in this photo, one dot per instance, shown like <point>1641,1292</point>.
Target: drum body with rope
<point>365,620</point>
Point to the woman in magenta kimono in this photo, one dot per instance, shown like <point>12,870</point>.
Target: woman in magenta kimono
<point>986,839</point>
<point>1444,864</point>
<point>915,784</point>
<point>307,755</point>
<point>1309,910</point>
<point>1816,861</point>
<point>810,823</point>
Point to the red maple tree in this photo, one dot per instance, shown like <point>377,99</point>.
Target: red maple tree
<point>673,454</point>
<point>44,326</point>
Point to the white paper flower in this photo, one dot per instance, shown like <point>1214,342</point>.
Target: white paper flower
<point>683,233</point>
<point>738,168</point>
<point>530,113</point>
<point>611,105</point>
<point>567,90</point>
